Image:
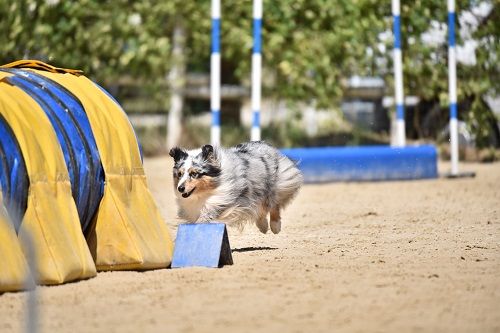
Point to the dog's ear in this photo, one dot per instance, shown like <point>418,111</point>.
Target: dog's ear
<point>178,153</point>
<point>207,153</point>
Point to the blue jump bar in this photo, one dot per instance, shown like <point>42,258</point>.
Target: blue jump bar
<point>369,163</point>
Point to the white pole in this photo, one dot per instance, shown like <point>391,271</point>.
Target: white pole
<point>452,87</point>
<point>215,74</point>
<point>32,311</point>
<point>256,69</point>
<point>398,75</point>
<point>177,82</point>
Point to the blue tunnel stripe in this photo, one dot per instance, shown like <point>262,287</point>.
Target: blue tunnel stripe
<point>50,109</point>
<point>75,136</point>
<point>14,182</point>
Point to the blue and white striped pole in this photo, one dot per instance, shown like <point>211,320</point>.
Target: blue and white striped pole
<point>398,75</point>
<point>452,88</point>
<point>215,75</point>
<point>256,69</point>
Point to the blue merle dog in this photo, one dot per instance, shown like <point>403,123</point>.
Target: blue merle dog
<point>236,185</point>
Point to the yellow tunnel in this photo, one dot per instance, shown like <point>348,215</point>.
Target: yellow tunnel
<point>88,205</point>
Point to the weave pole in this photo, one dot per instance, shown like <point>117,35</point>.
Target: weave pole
<point>452,88</point>
<point>215,74</point>
<point>256,69</point>
<point>398,75</point>
<point>32,308</point>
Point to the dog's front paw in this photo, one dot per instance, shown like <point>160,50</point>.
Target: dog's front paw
<point>276,226</point>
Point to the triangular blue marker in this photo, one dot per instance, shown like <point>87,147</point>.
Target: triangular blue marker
<point>202,245</point>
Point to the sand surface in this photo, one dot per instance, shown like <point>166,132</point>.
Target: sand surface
<point>420,256</point>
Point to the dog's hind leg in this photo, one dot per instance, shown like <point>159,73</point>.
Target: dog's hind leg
<point>262,222</point>
<point>275,219</point>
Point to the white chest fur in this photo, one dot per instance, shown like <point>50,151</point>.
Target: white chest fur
<point>190,208</point>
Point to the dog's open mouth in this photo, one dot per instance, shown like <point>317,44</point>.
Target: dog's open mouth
<point>187,194</point>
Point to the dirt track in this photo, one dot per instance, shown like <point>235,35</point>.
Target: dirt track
<point>378,257</point>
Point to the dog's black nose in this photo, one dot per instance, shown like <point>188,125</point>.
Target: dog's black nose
<point>181,188</point>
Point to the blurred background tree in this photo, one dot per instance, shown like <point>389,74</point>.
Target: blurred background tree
<point>106,39</point>
<point>426,58</point>
<point>311,47</point>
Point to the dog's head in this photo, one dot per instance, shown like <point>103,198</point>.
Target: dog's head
<point>196,171</point>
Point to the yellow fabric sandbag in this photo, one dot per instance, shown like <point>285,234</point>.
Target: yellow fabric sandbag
<point>13,269</point>
<point>128,232</point>
<point>51,219</point>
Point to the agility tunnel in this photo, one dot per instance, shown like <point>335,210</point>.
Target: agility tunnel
<point>72,179</point>
<point>365,163</point>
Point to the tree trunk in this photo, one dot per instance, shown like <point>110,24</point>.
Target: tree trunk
<point>177,78</point>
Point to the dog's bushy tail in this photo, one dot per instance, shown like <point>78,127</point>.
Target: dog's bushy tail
<point>289,180</point>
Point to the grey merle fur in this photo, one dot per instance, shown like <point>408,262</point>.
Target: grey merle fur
<point>237,185</point>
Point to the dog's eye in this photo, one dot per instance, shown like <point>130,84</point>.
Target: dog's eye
<point>179,174</point>
<point>194,174</point>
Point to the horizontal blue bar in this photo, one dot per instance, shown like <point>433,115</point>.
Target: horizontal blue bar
<point>400,111</point>
<point>256,118</point>
<point>215,35</point>
<point>257,39</point>
<point>365,163</point>
<point>453,111</point>
<point>451,29</point>
<point>215,117</point>
<point>397,31</point>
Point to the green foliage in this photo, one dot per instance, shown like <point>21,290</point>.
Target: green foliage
<point>106,39</point>
<point>425,65</point>
<point>309,46</point>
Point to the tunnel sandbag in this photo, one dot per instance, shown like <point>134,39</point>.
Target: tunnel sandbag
<point>14,270</point>
<point>51,218</point>
<point>128,231</point>
<point>13,177</point>
<point>70,122</point>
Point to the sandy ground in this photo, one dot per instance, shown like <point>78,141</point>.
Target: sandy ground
<point>420,256</point>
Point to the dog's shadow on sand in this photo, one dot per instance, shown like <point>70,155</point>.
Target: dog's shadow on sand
<point>254,248</point>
